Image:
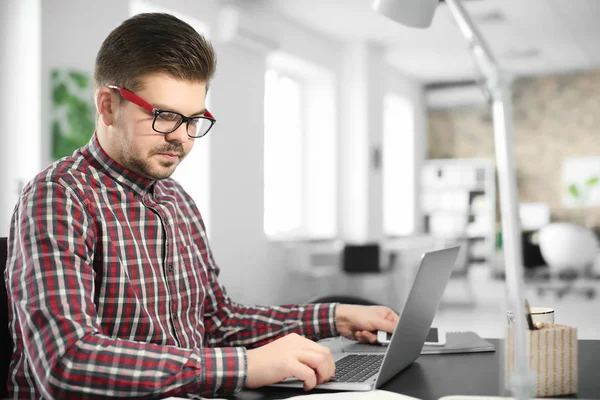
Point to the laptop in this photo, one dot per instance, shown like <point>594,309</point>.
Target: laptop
<point>367,371</point>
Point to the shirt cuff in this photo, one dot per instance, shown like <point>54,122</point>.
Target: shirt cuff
<point>224,370</point>
<point>319,321</point>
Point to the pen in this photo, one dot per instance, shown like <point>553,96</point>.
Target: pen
<point>528,315</point>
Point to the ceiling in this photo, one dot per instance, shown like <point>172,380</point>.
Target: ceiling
<point>528,37</point>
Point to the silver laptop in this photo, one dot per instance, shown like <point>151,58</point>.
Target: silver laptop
<point>366,371</point>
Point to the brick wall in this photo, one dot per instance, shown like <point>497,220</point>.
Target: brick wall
<point>555,117</point>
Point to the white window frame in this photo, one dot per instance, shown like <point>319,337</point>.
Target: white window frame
<point>319,148</point>
<point>270,216</point>
<point>398,160</point>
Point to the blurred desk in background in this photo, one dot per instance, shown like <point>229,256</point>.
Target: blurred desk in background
<point>316,269</point>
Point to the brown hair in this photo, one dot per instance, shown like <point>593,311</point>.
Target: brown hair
<point>153,43</point>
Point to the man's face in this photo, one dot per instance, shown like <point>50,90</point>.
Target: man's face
<point>141,149</point>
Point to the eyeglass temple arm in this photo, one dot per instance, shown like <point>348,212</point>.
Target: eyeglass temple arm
<point>134,98</point>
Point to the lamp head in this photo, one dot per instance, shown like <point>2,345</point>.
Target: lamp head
<point>412,13</point>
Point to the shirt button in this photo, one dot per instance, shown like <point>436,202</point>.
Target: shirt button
<point>171,269</point>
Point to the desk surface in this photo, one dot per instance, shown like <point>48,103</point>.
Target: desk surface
<point>435,376</point>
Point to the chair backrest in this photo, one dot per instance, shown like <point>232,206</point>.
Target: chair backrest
<point>361,258</point>
<point>343,299</point>
<point>5,340</point>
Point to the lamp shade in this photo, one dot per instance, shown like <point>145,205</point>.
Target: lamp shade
<point>412,13</point>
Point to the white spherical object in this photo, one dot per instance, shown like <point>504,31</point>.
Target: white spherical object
<point>567,246</point>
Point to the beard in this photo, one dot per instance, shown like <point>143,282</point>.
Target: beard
<point>151,166</point>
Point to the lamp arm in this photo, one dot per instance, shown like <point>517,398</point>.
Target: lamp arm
<point>498,85</point>
<point>483,56</point>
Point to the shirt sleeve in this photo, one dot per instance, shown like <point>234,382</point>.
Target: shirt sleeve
<point>50,280</point>
<point>232,324</point>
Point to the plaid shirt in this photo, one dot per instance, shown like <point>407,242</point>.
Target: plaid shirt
<point>113,291</point>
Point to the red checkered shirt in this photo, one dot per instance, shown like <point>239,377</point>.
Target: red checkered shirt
<point>113,291</point>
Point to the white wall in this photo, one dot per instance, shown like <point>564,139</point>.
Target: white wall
<point>20,66</point>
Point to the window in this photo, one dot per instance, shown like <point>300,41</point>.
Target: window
<point>300,164</point>
<point>398,166</point>
<point>283,155</point>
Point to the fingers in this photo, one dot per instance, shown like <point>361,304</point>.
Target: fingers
<point>392,316</point>
<point>326,359</point>
<point>387,325</point>
<point>290,356</point>
<point>305,374</point>
<point>385,320</point>
<point>366,337</point>
<point>382,319</point>
<point>317,358</point>
<point>322,365</point>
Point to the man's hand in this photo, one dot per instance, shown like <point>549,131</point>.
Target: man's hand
<point>291,356</point>
<point>362,322</point>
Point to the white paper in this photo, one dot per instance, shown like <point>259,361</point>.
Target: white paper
<point>370,395</point>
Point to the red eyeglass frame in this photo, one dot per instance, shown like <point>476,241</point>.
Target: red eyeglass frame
<point>137,100</point>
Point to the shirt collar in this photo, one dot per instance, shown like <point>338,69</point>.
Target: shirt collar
<point>96,153</point>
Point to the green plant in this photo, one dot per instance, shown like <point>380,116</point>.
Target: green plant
<point>580,192</point>
<point>72,113</point>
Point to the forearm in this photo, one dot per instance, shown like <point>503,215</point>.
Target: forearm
<point>238,325</point>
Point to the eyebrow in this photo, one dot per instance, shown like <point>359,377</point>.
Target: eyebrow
<point>164,108</point>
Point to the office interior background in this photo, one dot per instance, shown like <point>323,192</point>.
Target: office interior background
<point>347,145</point>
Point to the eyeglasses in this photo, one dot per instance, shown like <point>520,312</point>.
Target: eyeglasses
<point>167,121</point>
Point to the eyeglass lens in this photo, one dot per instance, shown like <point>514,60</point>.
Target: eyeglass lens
<point>167,122</point>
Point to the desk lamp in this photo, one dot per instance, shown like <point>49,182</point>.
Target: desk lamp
<point>419,14</point>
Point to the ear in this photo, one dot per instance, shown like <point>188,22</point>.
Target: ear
<point>107,102</point>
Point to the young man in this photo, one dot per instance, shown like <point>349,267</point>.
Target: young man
<point>113,289</point>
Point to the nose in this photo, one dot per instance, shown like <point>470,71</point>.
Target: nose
<point>179,135</point>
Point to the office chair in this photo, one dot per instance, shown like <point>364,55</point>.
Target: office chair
<point>569,250</point>
<point>346,299</point>
<point>342,298</point>
<point>5,339</point>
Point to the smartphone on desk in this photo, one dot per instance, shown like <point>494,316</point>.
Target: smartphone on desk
<point>435,337</point>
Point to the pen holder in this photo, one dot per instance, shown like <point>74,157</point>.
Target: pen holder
<point>552,356</point>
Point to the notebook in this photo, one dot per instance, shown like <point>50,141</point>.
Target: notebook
<point>460,342</point>
<point>456,342</point>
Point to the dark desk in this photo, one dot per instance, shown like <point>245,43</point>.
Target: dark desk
<point>435,376</point>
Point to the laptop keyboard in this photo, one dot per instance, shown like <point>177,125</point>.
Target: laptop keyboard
<point>357,367</point>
